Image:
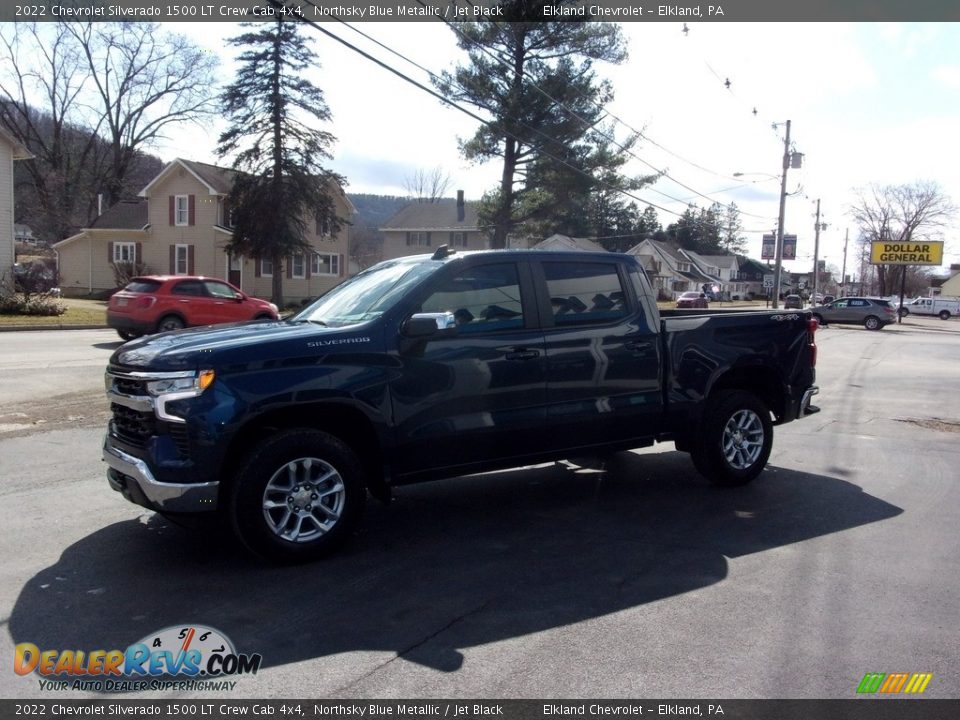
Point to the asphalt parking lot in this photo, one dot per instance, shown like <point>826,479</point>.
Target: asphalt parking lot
<point>623,578</point>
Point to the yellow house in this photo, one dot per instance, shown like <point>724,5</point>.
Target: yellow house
<point>180,225</point>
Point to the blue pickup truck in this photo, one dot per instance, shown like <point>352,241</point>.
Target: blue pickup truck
<point>435,366</point>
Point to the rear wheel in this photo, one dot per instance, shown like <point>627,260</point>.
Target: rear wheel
<point>298,495</point>
<point>872,322</point>
<point>904,311</point>
<point>127,335</point>
<point>944,314</point>
<point>734,439</point>
<point>170,322</point>
<point>819,319</point>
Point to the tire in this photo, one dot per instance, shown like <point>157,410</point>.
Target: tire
<point>264,317</point>
<point>127,335</point>
<point>734,439</point>
<point>944,314</point>
<point>872,322</point>
<point>903,312</point>
<point>819,319</point>
<point>170,322</point>
<point>297,496</point>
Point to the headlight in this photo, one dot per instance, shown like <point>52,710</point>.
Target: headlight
<point>194,384</point>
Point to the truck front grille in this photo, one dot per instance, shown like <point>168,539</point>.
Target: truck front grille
<point>132,426</point>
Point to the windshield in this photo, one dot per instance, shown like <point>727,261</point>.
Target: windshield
<point>367,295</point>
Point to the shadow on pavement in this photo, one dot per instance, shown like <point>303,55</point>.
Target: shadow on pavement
<point>448,565</point>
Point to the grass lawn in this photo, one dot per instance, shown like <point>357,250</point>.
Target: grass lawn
<point>79,313</point>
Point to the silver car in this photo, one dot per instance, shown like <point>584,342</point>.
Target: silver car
<point>872,313</point>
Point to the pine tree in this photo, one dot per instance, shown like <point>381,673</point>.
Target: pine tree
<point>535,78</point>
<point>281,184</point>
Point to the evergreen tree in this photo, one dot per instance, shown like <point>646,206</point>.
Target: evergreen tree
<point>535,78</point>
<point>281,184</point>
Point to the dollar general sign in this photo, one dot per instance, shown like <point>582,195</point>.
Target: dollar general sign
<point>906,253</point>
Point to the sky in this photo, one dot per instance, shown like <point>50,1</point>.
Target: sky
<point>869,103</point>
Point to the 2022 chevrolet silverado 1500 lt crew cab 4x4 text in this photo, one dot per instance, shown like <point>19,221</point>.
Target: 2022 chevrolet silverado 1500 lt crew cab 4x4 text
<point>435,366</point>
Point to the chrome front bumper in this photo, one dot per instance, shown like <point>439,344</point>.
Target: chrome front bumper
<point>132,478</point>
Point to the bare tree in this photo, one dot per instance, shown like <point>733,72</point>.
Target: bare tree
<point>87,99</point>
<point>427,186</point>
<point>900,213</point>
<point>43,68</point>
<point>145,79</point>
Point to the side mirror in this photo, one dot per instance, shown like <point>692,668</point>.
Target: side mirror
<point>425,325</point>
<point>239,297</point>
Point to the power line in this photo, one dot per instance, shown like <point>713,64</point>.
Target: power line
<point>448,102</point>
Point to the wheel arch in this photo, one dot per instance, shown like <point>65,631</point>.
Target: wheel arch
<point>341,420</point>
<point>761,380</point>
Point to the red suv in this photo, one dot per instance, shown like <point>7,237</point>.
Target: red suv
<point>156,303</point>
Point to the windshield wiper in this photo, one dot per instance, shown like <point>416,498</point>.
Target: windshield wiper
<point>321,323</point>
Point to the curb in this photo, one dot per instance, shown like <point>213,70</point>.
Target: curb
<point>16,328</point>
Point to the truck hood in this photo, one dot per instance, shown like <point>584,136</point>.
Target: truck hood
<point>239,344</point>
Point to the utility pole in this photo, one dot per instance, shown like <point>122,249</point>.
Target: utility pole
<point>816,253</point>
<point>778,261</point>
<point>843,273</point>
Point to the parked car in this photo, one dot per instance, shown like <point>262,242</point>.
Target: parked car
<point>872,313</point>
<point>157,303</point>
<point>943,307</point>
<point>693,300</point>
<point>793,302</point>
<point>435,366</point>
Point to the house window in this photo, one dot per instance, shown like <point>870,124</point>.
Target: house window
<point>266,267</point>
<point>458,239</point>
<point>181,260</point>
<point>324,264</point>
<point>683,267</point>
<point>124,252</point>
<point>418,239</point>
<point>323,227</point>
<point>298,266</point>
<point>181,210</point>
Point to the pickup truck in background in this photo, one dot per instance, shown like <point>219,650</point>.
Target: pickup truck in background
<point>943,307</point>
<point>436,366</point>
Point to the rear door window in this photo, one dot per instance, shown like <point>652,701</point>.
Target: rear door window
<point>584,293</point>
<point>189,287</point>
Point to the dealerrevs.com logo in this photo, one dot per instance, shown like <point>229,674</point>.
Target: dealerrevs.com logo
<point>180,657</point>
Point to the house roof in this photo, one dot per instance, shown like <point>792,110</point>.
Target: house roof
<point>719,261</point>
<point>124,215</point>
<point>19,151</point>
<point>218,180</point>
<point>439,215</point>
<point>565,242</point>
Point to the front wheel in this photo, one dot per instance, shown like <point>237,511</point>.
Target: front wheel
<point>734,440</point>
<point>298,495</point>
<point>872,323</point>
<point>170,322</point>
<point>944,314</point>
<point>126,335</point>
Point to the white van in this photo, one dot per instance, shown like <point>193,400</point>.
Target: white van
<point>944,308</point>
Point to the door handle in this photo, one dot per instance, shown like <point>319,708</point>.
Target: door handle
<point>523,354</point>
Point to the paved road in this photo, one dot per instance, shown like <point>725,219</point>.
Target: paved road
<point>630,579</point>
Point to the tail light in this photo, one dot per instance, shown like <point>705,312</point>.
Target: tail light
<point>812,326</point>
<point>145,303</point>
